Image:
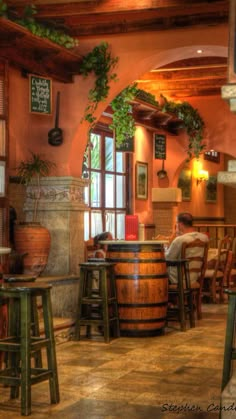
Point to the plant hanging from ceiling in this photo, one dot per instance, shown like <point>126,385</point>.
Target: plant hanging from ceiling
<point>123,122</point>
<point>27,20</point>
<point>100,62</point>
<point>193,122</point>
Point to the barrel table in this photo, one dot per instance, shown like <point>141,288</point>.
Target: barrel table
<point>142,285</point>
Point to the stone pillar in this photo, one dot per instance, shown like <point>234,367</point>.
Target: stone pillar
<point>61,210</point>
<point>165,209</point>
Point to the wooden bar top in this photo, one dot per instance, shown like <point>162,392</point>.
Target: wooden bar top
<point>119,242</point>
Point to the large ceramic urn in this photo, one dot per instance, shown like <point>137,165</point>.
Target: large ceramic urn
<point>33,240</point>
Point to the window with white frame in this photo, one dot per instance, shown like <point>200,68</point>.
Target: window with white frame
<point>106,194</point>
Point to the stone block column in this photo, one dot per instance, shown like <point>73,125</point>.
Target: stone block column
<point>61,210</point>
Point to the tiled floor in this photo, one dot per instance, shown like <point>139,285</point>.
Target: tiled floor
<point>177,375</point>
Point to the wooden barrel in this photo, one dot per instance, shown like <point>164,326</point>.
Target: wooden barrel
<point>142,287</point>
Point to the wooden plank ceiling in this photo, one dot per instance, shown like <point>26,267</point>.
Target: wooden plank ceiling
<point>186,78</point>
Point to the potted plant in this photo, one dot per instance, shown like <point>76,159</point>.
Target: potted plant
<point>31,238</point>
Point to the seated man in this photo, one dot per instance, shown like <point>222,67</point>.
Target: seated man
<point>101,248</point>
<point>185,233</point>
<point>93,249</point>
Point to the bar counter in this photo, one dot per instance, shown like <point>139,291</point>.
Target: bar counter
<point>142,285</point>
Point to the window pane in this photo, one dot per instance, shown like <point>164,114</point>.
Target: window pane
<point>120,166</point>
<point>95,189</point>
<point>95,151</point>
<point>120,225</point>
<point>110,222</point>
<point>86,225</point>
<point>109,190</point>
<point>120,191</point>
<point>109,156</point>
<point>96,223</point>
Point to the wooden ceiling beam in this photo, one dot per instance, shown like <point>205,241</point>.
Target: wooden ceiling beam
<point>163,7</point>
<point>187,92</point>
<point>86,18</point>
<point>78,27</point>
<point>207,73</point>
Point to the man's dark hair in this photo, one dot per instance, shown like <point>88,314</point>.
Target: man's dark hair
<point>101,236</point>
<point>186,218</point>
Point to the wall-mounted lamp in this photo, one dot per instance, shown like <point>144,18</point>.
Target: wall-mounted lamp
<point>199,173</point>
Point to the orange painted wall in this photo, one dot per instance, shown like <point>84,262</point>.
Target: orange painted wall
<point>137,53</point>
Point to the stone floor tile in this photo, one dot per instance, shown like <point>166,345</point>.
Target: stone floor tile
<point>136,378</point>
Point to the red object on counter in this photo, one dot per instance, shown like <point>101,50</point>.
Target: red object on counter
<point>131,227</point>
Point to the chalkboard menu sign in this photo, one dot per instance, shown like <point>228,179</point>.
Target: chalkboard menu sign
<point>127,145</point>
<point>40,95</point>
<point>159,146</point>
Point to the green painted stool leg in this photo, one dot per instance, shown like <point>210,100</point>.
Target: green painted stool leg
<point>51,351</point>
<point>25,327</point>
<point>35,330</point>
<point>229,339</point>
<point>13,358</point>
<point>79,308</point>
<point>105,314</point>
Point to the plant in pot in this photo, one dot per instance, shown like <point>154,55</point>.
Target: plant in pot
<point>31,238</point>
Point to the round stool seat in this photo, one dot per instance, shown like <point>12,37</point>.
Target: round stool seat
<point>19,278</point>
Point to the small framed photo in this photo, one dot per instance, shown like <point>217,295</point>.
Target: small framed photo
<point>141,180</point>
<point>211,189</point>
<point>185,184</point>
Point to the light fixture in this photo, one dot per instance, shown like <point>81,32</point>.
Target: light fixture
<point>199,173</point>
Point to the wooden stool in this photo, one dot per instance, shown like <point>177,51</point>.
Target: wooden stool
<point>12,278</point>
<point>97,306</point>
<point>182,293</point>
<point>230,350</point>
<point>21,345</point>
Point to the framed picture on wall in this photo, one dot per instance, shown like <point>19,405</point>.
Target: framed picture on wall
<point>185,184</point>
<point>211,189</point>
<point>141,180</point>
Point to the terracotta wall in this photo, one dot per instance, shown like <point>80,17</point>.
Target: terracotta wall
<point>173,164</point>
<point>145,51</point>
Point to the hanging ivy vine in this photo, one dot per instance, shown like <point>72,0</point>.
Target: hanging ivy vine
<point>100,62</point>
<point>27,20</point>
<point>123,123</point>
<point>193,122</point>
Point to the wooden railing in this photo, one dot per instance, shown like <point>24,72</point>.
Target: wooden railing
<point>216,231</point>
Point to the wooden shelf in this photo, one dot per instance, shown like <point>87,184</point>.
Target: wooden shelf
<point>150,117</point>
<point>36,55</point>
<point>153,118</point>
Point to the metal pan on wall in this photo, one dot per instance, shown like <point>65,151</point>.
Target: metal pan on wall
<point>55,135</point>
